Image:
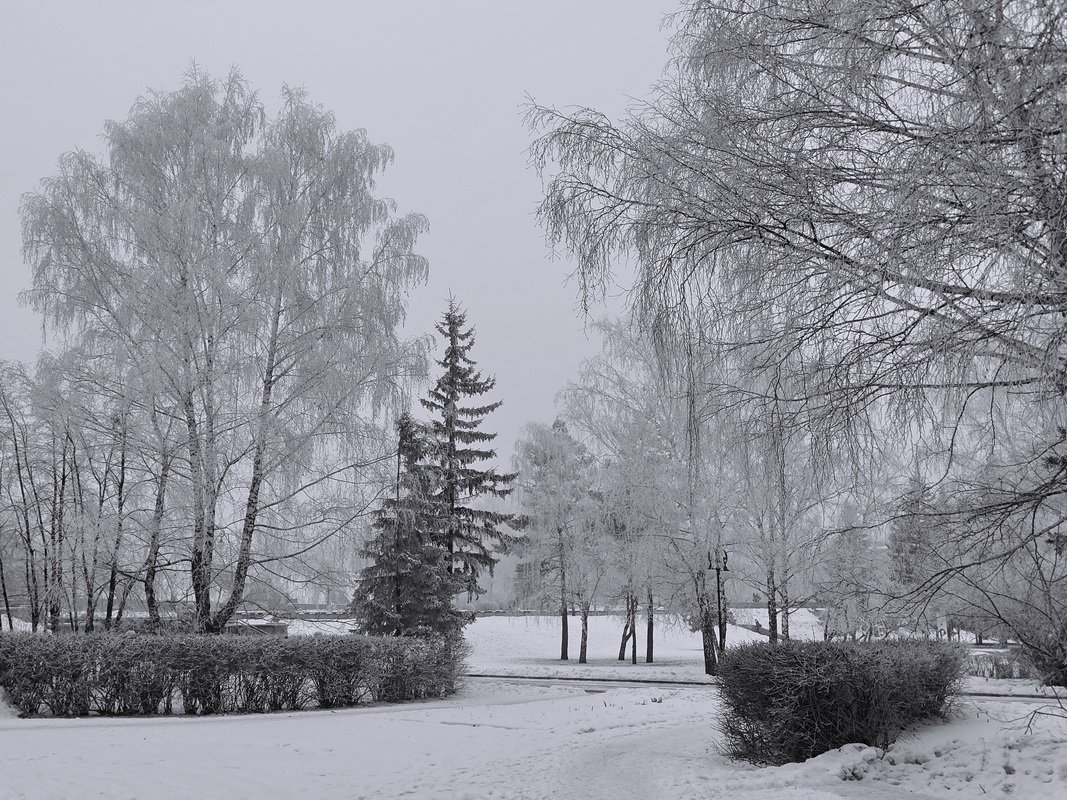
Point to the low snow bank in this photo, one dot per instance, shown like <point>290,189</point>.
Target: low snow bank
<point>1012,686</point>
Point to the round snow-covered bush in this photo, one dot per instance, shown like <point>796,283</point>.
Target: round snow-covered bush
<point>793,700</point>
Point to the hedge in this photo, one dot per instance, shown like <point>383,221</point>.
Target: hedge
<point>793,700</point>
<point>99,673</point>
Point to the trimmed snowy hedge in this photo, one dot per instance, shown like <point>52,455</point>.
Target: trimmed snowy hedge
<point>793,700</point>
<point>75,675</point>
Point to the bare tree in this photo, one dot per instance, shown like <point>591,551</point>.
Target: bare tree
<point>552,483</point>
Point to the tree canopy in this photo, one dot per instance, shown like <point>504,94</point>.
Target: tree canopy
<point>239,276</point>
<point>852,217</point>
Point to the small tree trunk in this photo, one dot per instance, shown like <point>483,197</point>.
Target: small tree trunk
<point>649,648</point>
<point>202,546</point>
<point>629,630</point>
<point>563,615</point>
<point>626,632</point>
<point>72,598</point>
<point>625,639</point>
<point>7,602</point>
<point>723,610</point>
<point>127,588</point>
<point>564,633</point>
<point>397,593</point>
<point>112,586</point>
<point>708,639</point>
<point>708,630</point>
<point>25,482</point>
<point>113,578</point>
<point>34,595</point>
<point>152,559</point>
<point>772,606</point>
<point>585,634</point>
<point>783,593</point>
<point>56,543</point>
<point>90,611</point>
<point>632,603</point>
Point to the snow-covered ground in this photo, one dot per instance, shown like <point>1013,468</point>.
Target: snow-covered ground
<point>504,739</point>
<point>504,645</point>
<point>531,646</point>
<point>501,740</point>
<point>19,625</point>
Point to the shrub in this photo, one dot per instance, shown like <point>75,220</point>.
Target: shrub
<point>75,675</point>
<point>793,700</point>
<point>1045,652</point>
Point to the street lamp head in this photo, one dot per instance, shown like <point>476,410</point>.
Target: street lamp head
<point>715,563</point>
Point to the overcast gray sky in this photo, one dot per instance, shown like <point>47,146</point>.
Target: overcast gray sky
<point>441,82</point>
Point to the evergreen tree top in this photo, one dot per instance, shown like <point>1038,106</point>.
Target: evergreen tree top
<point>411,440</point>
<point>459,377</point>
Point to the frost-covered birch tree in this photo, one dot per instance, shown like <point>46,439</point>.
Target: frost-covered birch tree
<point>870,195</point>
<point>889,178</point>
<point>245,268</point>
<point>564,538</point>
<point>644,423</point>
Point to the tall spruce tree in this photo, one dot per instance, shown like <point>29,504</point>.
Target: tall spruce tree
<point>408,588</point>
<point>470,535</point>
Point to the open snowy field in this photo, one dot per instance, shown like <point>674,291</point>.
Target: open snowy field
<point>529,645</point>
<point>505,739</point>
